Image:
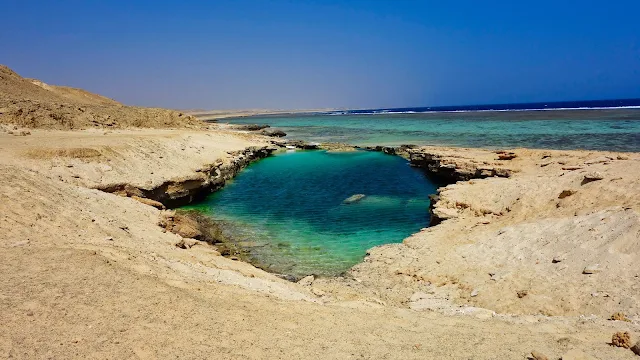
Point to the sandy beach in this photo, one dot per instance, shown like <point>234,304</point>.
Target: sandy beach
<point>535,250</point>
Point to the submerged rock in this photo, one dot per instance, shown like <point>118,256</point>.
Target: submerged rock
<point>354,198</point>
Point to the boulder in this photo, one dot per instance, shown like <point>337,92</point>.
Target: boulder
<point>186,243</point>
<point>591,177</point>
<point>273,133</point>
<point>251,127</point>
<point>180,225</point>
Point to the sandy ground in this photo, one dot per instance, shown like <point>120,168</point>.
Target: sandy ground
<point>88,274</point>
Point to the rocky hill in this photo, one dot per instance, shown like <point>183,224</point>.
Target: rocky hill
<point>34,104</point>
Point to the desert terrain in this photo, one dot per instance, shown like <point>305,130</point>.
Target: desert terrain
<point>534,252</point>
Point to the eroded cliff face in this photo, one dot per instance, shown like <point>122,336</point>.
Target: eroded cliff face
<point>209,178</point>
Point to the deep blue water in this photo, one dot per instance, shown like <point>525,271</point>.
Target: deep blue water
<point>553,105</point>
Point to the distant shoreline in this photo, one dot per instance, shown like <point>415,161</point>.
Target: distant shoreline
<point>213,115</point>
<point>588,105</point>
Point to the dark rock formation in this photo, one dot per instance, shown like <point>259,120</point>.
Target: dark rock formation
<point>273,133</point>
<point>451,171</point>
<point>251,127</point>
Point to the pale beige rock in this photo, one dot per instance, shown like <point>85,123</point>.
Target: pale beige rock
<point>155,204</point>
<point>307,280</point>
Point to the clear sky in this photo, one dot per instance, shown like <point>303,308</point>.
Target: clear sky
<point>313,54</point>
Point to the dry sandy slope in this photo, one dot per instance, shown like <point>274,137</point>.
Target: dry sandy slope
<point>503,234</point>
<point>88,274</point>
<point>34,104</point>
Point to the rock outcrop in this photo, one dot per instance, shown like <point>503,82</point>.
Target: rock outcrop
<point>273,133</point>
<point>178,192</point>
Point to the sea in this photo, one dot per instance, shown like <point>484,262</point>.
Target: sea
<point>591,125</point>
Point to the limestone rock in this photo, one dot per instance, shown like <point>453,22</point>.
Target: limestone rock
<point>591,177</point>
<point>273,133</point>
<point>186,243</point>
<point>155,204</point>
<point>307,280</point>
<point>180,224</point>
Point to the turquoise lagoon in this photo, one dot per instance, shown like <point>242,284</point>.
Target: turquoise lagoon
<point>288,210</point>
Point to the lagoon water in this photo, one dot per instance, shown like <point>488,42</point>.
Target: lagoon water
<point>288,210</point>
<point>610,129</point>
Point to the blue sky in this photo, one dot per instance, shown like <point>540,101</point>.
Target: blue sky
<point>312,54</point>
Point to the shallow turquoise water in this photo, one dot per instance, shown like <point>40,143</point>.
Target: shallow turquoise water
<point>288,209</point>
<point>616,130</point>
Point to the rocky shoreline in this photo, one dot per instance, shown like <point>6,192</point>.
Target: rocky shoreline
<point>205,180</point>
